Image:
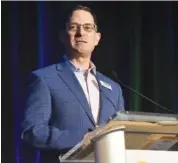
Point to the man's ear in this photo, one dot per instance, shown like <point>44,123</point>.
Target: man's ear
<point>62,37</point>
<point>97,39</point>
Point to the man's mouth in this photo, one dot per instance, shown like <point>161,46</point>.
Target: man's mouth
<point>82,41</point>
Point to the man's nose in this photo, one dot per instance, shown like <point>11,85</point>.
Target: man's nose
<point>80,30</point>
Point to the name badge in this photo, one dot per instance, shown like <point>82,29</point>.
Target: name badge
<point>104,84</point>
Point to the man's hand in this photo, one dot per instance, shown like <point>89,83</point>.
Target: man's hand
<point>86,140</point>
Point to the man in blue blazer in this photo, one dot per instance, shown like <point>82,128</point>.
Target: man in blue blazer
<point>69,98</point>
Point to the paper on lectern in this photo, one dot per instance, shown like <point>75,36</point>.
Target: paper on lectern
<point>162,142</point>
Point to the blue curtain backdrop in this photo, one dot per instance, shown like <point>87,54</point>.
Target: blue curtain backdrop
<point>139,41</point>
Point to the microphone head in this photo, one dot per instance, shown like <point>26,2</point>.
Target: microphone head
<point>114,74</point>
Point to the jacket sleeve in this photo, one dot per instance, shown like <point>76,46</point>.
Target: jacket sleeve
<point>35,126</point>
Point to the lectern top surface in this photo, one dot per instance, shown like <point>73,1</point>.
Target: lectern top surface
<point>144,117</point>
<point>143,128</point>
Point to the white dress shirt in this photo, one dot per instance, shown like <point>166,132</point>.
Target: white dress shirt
<point>90,86</point>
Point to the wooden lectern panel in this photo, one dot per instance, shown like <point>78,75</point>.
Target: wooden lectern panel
<point>141,135</point>
<point>165,128</point>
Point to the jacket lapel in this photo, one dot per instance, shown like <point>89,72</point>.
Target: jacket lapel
<point>104,112</point>
<point>73,84</point>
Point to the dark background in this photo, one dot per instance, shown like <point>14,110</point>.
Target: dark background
<point>139,41</point>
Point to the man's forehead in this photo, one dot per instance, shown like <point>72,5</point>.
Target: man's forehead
<point>81,16</point>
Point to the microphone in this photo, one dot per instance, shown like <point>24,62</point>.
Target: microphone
<point>143,96</point>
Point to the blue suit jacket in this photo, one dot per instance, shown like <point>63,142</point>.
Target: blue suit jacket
<point>57,112</point>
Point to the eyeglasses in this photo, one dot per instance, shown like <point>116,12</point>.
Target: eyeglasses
<point>73,27</point>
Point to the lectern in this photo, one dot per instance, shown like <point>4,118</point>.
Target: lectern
<point>130,137</point>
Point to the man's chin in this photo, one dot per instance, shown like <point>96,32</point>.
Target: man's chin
<point>81,52</point>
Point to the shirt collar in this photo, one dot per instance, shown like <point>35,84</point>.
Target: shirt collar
<point>92,67</point>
